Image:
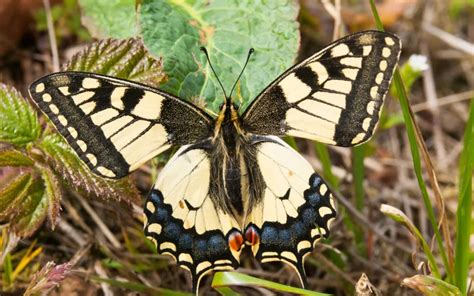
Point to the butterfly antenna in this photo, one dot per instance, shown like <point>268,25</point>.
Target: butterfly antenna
<point>213,71</point>
<point>251,50</point>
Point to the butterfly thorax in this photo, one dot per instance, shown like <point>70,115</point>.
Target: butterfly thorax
<point>227,165</point>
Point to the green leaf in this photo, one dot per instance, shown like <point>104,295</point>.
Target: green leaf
<point>12,194</point>
<point>71,169</point>
<point>14,158</point>
<point>110,18</point>
<point>18,121</point>
<point>127,59</point>
<point>176,29</point>
<point>33,211</point>
<point>225,279</point>
<point>53,193</point>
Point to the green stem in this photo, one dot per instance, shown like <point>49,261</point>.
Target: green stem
<point>358,173</point>
<point>464,210</point>
<point>323,155</point>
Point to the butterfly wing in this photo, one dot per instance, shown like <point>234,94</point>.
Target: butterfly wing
<point>184,221</point>
<point>116,125</point>
<point>296,210</point>
<point>335,96</point>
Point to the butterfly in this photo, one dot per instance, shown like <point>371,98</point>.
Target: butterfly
<point>233,182</point>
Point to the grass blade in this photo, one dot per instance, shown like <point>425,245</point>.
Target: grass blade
<point>323,155</point>
<point>358,173</point>
<point>225,279</point>
<point>138,287</point>
<point>416,142</point>
<point>464,210</point>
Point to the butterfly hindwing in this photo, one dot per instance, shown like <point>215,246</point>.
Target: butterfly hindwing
<point>116,125</point>
<point>334,97</point>
<point>296,210</point>
<point>183,220</point>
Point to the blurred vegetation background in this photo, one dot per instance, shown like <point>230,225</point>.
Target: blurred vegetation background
<point>405,198</point>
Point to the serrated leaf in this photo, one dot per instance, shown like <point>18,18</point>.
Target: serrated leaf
<point>53,193</point>
<point>109,18</point>
<point>18,121</point>
<point>175,30</point>
<point>126,59</point>
<point>33,211</point>
<point>14,158</point>
<point>71,169</point>
<point>12,194</point>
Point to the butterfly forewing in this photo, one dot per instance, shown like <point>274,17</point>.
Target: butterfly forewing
<point>116,125</point>
<point>334,96</point>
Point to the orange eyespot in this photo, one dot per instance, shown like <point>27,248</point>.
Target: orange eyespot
<point>236,241</point>
<point>251,236</point>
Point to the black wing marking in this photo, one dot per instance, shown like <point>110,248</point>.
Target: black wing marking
<point>296,210</point>
<point>335,96</point>
<point>184,222</point>
<point>116,125</point>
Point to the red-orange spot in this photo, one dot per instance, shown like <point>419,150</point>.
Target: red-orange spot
<point>252,236</point>
<point>236,240</point>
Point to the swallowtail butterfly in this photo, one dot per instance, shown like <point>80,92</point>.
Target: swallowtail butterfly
<point>233,182</point>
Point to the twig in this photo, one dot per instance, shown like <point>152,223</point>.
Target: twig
<point>80,253</point>
<point>75,216</point>
<point>430,92</point>
<point>331,266</point>
<point>431,99</point>
<point>105,230</point>
<point>71,232</point>
<point>335,12</point>
<point>52,35</point>
<point>103,274</point>
<point>447,100</point>
<point>451,40</point>
<point>366,223</point>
